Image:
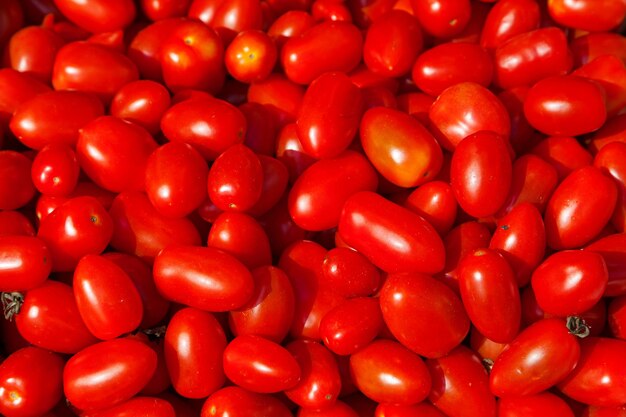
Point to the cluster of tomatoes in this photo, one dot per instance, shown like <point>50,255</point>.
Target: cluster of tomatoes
<point>313,208</point>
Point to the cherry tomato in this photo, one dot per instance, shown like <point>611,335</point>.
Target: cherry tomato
<point>163,9</point>
<point>339,409</point>
<point>98,15</point>
<point>55,170</point>
<point>459,242</point>
<point>350,273</point>
<point>423,409</point>
<point>25,263</point>
<point>142,102</point>
<point>16,88</point>
<point>241,236</point>
<point>14,223</point>
<point>32,51</point>
<point>592,45</point>
<point>581,16</point>
<point>442,18</point>
<point>544,403</point>
<point>609,71</point>
<point>16,188</point>
<point>612,249</point>
<point>564,153</point>
<point>275,179</point>
<point>229,17</point>
<point>251,56</point>
<point>238,402</point>
<point>138,407</point>
<point>611,159</point>
<point>508,18</point>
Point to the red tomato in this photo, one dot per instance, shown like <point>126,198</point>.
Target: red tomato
<point>12,18</point>
<point>461,385</point>
<point>609,71</point>
<point>25,263</point>
<point>423,409</point>
<point>98,15</point>
<point>339,409</point>
<point>16,188</point>
<point>289,24</point>
<point>617,317</point>
<point>539,357</point>
<point>15,89</point>
<point>386,371</point>
<point>508,18</point>
<point>163,9</point>
<point>349,273</point>
<point>275,179</point>
<point>614,130</point>
<point>442,18</point>
<point>423,314</point>
<point>523,136</point>
<point>329,115</point>
<point>251,56</point>
<point>32,51</point>
<point>369,222</point>
<point>459,242</point>
<point>14,223</point>
<point>400,148</point>
<point>209,125</point>
<point>564,153</point>
<point>585,15</point>
<point>611,159</point>
<point>241,236</point>
<point>579,208</point>
<point>592,45</point>
<point>435,202</point>
<point>238,402</point>
<point>543,404</point>
<point>55,170</point>
<point>490,294</point>
<point>467,108</point>
<point>30,382</point>
<point>138,407</point>
<point>392,44</point>
<point>330,10</point>
<point>613,248</point>
<point>229,17</point>
<point>142,102</point>
<point>194,346</point>
<point>487,349</point>
<point>107,373</point>
<point>204,278</point>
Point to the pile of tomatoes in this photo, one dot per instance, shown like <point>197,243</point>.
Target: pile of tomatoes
<point>313,208</point>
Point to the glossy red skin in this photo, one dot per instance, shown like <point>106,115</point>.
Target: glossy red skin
<point>238,402</point>
<point>329,115</point>
<point>232,17</point>
<point>582,15</point>
<point>179,124</point>
<point>54,117</point>
<point>251,56</point>
<point>442,19</point>
<point>579,208</point>
<point>192,57</point>
<point>140,230</point>
<point>541,356</point>
<point>17,187</point>
<point>614,130</point>
<point>241,236</point>
<point>281,95</point>
<point>330,10</point>
<point>612,248</point>
<point>351,325</point>
<point>90,232</point>
<point>327,46</point>
<point>98,15</point>
<point>194,346</point>
<point>423,409</point>
<point>11,19</point>
<point>609,71</point>
<point>543,403</point>
<point>531,56</point>
<point>617,317</point>
<point>392,43</point>
<point>30,382</point>
<point>270,311</point>
<point>349,273</point>
<point>451,63</point>
<point>611,159</point>
<point>138,407</point>
<point>320,192</point>
<point>16,88</point>
<point>570,282</point>
<point>490,295</point>
<point>509,18</point>
<point>25,263</point>
<point>415,305</point>
<point>320,382</point>
<point>55,170</point>
<point>460,241</point>
<point>92,68</point>
<point>32,50</point>
<point>205,278</point>
<point>142,102</point>
<point>401,149</point>
<point>593,411</point>
<point>481,173</point>
<point>260,365</point>
<point>523,136</point>
<point>275,179</point>
<point>369,222</point>
<point>411,380</point>
<point>598,379</point>
<point>339,409</point>
<point>485,348</point>
<point>521,238</point>
<point>464,109</point>
<point>289,151</point>
<point>14,223</point>
<point>175,178</point>
<point>289,24</point>
<point>164,9</point>
<point>461,385</point>
<point>565,106</point>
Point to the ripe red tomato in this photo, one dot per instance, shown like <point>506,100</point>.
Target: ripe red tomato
<point>423,409</point>
<point>544,403</point>
<point>14,223</point>
<point>15,89</point>
<point>17,188</point>
<point>460,241</point>
<point>138,407</point>
<point>350,273</point>
<point>142,102</point>
<point>25,263</point>
<point>339,409</point>
<point>163,9</point>
<point>251,56</point>
<point>611,159</point>
<point>241,236</point>
<point>238,402</point>
<point>583,14</point>
<point>564,153</point>
<point>32,51</point>
<point>609,71</point>
<point>612,248</point>
<point>55,170</point>
<point>442,18</point>
<point>508,18</point>
<point>98,15</point>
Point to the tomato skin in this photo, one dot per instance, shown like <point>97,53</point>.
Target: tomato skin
<point>461,385</point>
<point>451,63</point>
<point>289,24</point>
<point>139,229</point>
<point>564,153</point>
<point>327,46</point>
<point>612,248</point>
<point>459,242</point>
<point>98,15</point>
<point>593,411</point>
<point>329,115</point>
<point>423,409</point>
<point>481,173</point>
<point>32,50</point>
<point>414,305</point>
<point>138,407</point>
<point>490,295</point>
<point>223,125</point>
<point>617,317</point>
<point>598,379</point>
<point>164,9</point>
<point>581,14</point>
<point>400,148</point>
<point>349,273</point>
<point>339,409</point>
<point>275,180</point>
<point>539,357</point>
<point>368,222</point>
<point>320,382</point>
<point>611,159</point>
<point>614,130</point>
<point>55,170</point>
<point>273,368</point>
<point>579,208</point>
<point>311,204</point>
<point>609,71</point>
<point>205,278</point>
<point>30,382</point>
<point>15,89</point>
<point>467,108</point>
<point>543,403</point>
<point>194,346</point>
<point>12,18</point>
<point>142,102</point>
<point>592,45</point>
<point>238,402</point>
<point>442,19</point>
<point>14,223</point>
<point>54,117</point>
<point>92,68</point>
<point>565,106</point>
<point>509,18</point>
<point>401,28</point>
<point>251,56</point>
<point>25,263</point>
<point>17,187</point>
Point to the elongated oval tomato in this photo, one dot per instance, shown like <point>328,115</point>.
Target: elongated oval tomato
<point>194,347</point>
<point>386,371</point>
<point>329,115</point>
<point>142,102</point>
<point>319,193</point>
<point>442,19</point>
<point>260,365</point>
<point>349,273</point>
<point>399,147</point>
<point>509,18</point>
<point>392,237</point>
<point>564,153</point>
<point>138,407</point>
<point>32,50</point>
<point>108,373</point>
<point>98,15</point>
<point>435,202</point>
<point>416,305</point>
<point>238,402</point>
<point>55,170</point>
<point>205,278</point>
<point>25,263</point>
